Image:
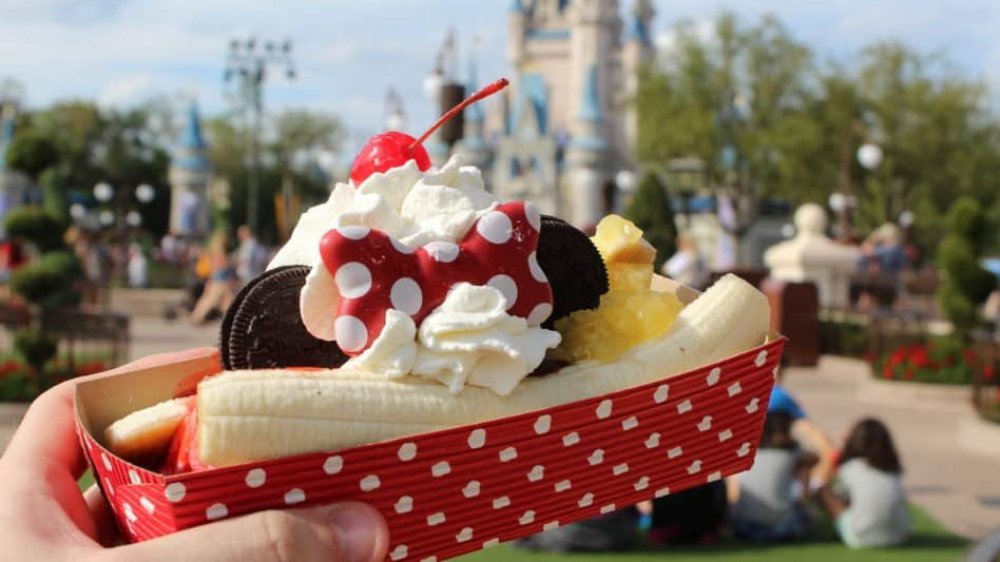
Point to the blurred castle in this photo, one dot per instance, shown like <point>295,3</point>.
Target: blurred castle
<point>190,175</point>
<point>566,126</point>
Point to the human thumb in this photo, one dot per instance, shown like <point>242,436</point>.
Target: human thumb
<point>346,532</point>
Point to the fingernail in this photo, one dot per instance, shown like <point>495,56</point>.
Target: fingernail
<point>361,529</point>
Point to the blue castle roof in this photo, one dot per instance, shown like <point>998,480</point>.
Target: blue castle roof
<point>533,96</point>
<point>192,137</point>
<point>639,31</point>
<point>192,150</point>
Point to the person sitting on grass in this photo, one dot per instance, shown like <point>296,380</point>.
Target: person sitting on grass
<point>806,431</point>
<point>763,504</point>
<point>872,510</point>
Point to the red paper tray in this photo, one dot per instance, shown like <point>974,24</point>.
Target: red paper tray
<point>459,490</point>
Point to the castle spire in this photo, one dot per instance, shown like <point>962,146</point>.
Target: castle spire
<point>639,27</point>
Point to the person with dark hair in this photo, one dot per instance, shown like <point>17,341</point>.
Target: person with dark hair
<point>872,509</point>
<point>763,503</point>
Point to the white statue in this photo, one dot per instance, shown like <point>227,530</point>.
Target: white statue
<point>812,256</point>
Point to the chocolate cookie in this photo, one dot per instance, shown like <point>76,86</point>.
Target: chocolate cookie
<point>574,268</point>
<point>263,328</point>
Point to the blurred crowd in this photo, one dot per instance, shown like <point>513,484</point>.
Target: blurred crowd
<point>800,481</point>
<point>218,269</point>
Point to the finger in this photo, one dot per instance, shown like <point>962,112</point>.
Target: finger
<point>105,530</point>
<point>348,532</point>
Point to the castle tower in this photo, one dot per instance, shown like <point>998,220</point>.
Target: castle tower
<point>587,157</point>
<point>564,129</point>
<point>472,147</point>
<point>190,174</point>
<point>637,52</point>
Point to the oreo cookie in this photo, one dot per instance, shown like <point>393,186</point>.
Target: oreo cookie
<point>574,267</point>
<point>263,328</point>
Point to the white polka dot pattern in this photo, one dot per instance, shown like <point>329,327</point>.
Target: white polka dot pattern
<point>407,452</point>
<point>507,287</point>
<point>441,251</point>
<point>256,478</point>
<point>353,280</point>
<point>352,334</point>
<point>406,296</point>
<point>507,478</point>
<point>495,227</point>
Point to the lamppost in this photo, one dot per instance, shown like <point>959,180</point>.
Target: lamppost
<point>246,65</point>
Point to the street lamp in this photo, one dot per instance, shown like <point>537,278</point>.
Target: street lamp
<point>103,192</point>
<point>870,155</point>
<point>246,64</point>
<point>145,193</point>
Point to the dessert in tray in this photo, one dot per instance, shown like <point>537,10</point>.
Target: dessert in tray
<point>473,369</point>
<point>414,301</point>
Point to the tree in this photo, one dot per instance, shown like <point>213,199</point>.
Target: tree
<point>292,155</point>
<point>31,152</point>
<point>651,211</point>
<point>967,284</point>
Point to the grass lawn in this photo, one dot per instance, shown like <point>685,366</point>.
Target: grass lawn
<point>930,543</point>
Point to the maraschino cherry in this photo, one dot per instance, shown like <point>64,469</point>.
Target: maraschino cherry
<point>387,150</point>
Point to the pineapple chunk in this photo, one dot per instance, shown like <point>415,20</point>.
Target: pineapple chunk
<point>630,276</point>
<point>620,241</point>
<point>623,320</point>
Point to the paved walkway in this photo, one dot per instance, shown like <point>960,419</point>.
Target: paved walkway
<point>959,487</point>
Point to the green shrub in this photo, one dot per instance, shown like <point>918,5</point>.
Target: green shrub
<point>651,211</point>
<point>36,348</point>
<point>967,285</point>
<point>31,152</point>
<point>37,226</point>
<point>48,281</point>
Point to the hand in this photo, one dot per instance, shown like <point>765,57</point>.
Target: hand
<point>45,517</point>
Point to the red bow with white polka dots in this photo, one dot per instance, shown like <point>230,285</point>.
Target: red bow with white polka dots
<point>374,272</point>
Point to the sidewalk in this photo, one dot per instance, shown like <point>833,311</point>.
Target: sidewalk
<point>958,487</point>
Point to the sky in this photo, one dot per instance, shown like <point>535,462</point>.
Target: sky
<point>349,52</point>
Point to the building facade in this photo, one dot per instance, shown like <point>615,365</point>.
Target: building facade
<point>567,125</point>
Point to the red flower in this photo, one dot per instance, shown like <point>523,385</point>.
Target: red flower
<point>887,372</point>
<point>920,357</point>
<point>908,374</point>
<point>989,373</point>
<point>969,356</point>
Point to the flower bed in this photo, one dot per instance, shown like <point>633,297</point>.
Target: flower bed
<point>18,383</point>
<point>941,361</point>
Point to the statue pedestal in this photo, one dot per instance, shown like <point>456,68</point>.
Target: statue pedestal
<point>812,257</point>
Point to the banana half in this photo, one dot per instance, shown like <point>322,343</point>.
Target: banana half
<point>246,416</point>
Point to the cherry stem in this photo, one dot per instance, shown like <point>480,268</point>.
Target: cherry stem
<point>484,93</point>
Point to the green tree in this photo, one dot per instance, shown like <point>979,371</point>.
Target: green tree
<point>651,211</point>
<point>31,152</point>
<point>939,141</point>
<point>297,136</point>
<point>729,100</point>
<point>967,284</point>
